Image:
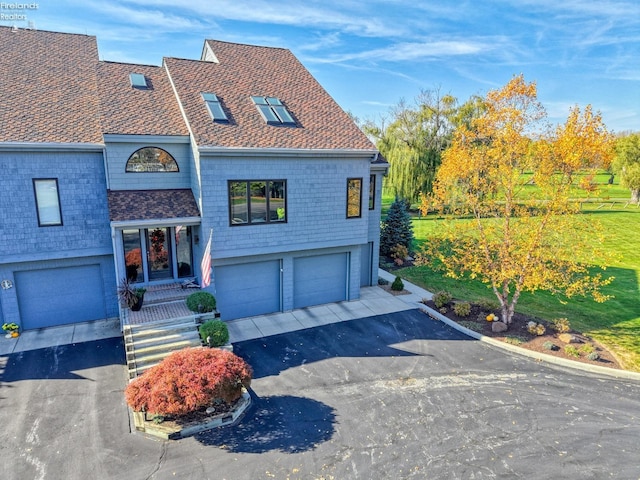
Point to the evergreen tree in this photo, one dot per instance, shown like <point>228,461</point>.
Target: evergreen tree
<point>396,229</point>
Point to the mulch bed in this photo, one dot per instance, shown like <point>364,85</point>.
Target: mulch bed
<point>387,288</point>
<point>517,334</point>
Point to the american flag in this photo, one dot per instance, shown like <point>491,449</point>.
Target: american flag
<point>205,266</point>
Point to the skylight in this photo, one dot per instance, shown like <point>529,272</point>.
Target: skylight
<point>273,111</point>
<point>138,80</point>
<point>215,107</point>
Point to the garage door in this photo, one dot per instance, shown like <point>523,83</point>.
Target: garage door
<point>248,289</point>
<point>59,296</point>
<point>319,279</point>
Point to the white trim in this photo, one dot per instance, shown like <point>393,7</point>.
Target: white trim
<point>149,139</point>
<point>379,167</point>
<point>158,222</point>
<point>46,256</point>
<point>287,152</point>
<point>50,146</point>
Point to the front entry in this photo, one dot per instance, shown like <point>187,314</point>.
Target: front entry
<point>158,253</point>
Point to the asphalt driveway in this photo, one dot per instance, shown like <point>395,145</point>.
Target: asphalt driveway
<point>388,397</point>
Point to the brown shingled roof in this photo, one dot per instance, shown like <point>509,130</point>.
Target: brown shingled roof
<point>246,70</point>
<point>129,205</point>
<point>48,85</point>
<point>135,111</point>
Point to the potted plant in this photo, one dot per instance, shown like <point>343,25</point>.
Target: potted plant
<point>131,296</point>
<point>12,330</point>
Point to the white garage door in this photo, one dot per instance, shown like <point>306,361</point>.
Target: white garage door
<point>248,289</point>
<point>319,279</point>
<point>58,296</point>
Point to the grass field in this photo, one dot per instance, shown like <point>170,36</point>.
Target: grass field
<point>615,323</point>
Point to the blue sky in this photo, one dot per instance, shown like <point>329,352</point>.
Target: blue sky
<point>369,54</point>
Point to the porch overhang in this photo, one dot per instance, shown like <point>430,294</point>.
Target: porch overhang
<point>152,208</point>
<point>158,222</point>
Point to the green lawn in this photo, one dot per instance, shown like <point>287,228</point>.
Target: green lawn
<point>615,323</point>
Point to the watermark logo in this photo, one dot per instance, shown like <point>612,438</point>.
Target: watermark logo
<point>15,12</point>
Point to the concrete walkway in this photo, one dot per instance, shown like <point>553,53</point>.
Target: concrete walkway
<point>373,301</point>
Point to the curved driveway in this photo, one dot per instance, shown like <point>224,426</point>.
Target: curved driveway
<point>388,397</point>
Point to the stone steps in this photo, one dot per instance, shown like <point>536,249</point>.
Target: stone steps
<point>148,344</point>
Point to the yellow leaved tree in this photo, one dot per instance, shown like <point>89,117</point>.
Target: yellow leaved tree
<point>517,178</point>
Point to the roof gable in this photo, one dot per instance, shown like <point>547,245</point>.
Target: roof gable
<point>243,71</point>
<point>48,85</point>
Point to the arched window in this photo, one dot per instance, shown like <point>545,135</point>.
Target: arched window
<point>151,159</point>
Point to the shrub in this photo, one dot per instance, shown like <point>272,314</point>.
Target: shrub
<point>397,285</point>
<point>549,346</point>
<point>188,380</point>
<point>536,328</point>
<point>462,309</point>
<point>571,351</point>
<point>593,356</point>
<point>560,325</point>
<point>443,310</point>
<point>514,340</point>
<point>201,302</point>
<point>214,333</point>
<point>488,305</point>
<point>383,281</point>
<point>397,228</point>
<point>441,298</point>
<point>587,348</point>
<point>399,252</point>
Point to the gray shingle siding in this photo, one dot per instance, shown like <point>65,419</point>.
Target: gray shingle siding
<point>82,191</point>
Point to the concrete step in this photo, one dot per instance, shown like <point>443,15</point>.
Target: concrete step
<point>159,330</point>
<point>167,293</point>
<point>155,353</point>
<point>152,346</point>
<point>140,364</point>
<point>151,340</point>
<point>148,344</point>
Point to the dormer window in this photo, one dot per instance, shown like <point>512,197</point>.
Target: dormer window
<point>138,80</point>
<point>215,108</point>
<point>273,111</point>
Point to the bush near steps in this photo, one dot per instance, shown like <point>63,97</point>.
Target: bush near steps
<point>189,380</point>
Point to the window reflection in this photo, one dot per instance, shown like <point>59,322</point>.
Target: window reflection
<point>151,159</point>
<point>259,201</point>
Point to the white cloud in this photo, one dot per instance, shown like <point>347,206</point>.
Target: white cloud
<point>413,51</point>
<point>150,18</point>
<point>286,12</point>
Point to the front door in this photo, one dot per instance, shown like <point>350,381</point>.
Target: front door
<point>158,253</point>
<point>159,262</point>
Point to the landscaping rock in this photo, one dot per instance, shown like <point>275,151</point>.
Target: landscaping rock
<point>498,327</point>
<point>568,338</point>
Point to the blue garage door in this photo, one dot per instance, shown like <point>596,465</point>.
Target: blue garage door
<point>248,289</point>
<point>319,279</point>
<point>58,296</point>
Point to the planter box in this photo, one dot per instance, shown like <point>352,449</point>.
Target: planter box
<point>167,432</point>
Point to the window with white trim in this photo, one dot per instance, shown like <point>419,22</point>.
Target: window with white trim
<point>47,202</point>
